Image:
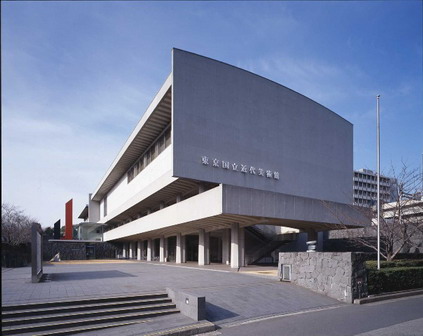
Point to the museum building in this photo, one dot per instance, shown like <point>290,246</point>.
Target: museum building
<point>220,161</point>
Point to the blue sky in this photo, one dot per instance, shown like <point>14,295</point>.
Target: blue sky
<point>77,76</point>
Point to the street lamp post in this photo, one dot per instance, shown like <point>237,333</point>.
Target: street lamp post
<point>378,178</point>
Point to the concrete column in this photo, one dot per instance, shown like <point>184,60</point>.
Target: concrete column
<point>178,257</point>
<point>207,248</point>
<point>166,249</point>
<point>149,248</point>
<point>225,246</point>
<point>178,198</point>
<point>123,250</point>
<point>241,247</point>
<point>234,245</point>
<point>148,211</point>
<point>200,188</point>
<point>162,205</point>
<point>183,249</point>
<point>201,247</point>
<point>162,249</point>
<point>139,244</point>
<point>131,250</point>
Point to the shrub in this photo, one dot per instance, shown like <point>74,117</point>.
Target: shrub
<point>371,264</point>
<point>394,279</point>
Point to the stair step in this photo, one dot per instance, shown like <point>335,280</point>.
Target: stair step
<point>81,301</point>
<point>78,307</point>
<point>84,329</point>
<point>86,313</point>
<point>18,330</point>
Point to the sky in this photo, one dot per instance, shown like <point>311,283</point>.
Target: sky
<point>78,76</point>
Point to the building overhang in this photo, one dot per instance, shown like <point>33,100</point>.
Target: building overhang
<point>220,207</point>
<point>153,122</point>
<point>84,213</point>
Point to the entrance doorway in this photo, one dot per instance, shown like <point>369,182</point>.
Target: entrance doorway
<point>215,249</point>
<point>171,248</point>
<point>191,249</point>
<point>90,251</point>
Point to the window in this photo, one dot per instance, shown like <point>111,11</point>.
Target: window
<point>158,146</point>
<point>162,143</point>
<point>105,206</point>
<point>130,174</point>
<point>168,137</point>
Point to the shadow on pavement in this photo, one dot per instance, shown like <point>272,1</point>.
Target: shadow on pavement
<point>88,275</point>
<point>215,313</point>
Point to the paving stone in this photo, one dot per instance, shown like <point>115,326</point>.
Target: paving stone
<point>230,296</point>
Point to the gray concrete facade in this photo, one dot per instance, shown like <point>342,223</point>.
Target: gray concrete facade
<point>232,115</point>
<point>221,147</point>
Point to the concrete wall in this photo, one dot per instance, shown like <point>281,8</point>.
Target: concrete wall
<point>298,212</point>
<point>188,210</point>
<point>143,185</point>
<point>334,274</point>
<point>190,305</point>
<point>230,114</point>
<point>75,250</point>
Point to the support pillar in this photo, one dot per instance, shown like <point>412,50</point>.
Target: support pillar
<point>123,250</point>
<point>149,248</point>
<point>183,249</point>
<point>178,257</point>
<point>225,246</point>
<point>131,250</point>
<point>235,245</point>
<point>241,247</point>
<point>139,244</point>
<point>162,249</point>
<point>207,248</point>
<point>201,247</point>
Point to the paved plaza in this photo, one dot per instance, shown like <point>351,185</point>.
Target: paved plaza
<point>230,296</point>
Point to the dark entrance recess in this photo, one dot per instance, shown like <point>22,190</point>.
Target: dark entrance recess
<point>215,249</point>
<point>90,250</point>
<point>191,247</point>
<point>156,247</point>
<point>171,248</point>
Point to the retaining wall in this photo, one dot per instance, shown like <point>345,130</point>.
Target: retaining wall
<point>340,275</point>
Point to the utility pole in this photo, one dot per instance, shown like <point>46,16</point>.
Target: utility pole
<point>378,177</point>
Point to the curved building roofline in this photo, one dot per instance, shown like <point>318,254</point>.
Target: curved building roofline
<point>262,77</point>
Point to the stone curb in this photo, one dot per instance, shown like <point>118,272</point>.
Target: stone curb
<point>388,296</point>
<point>189,330</point>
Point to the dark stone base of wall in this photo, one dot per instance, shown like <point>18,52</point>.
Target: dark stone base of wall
<point>15,256</point>
<point>75,250</point>
<point>340,275</point>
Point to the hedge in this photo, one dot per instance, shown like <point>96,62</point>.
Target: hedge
<point>371,264</point>
<point>394,279</point>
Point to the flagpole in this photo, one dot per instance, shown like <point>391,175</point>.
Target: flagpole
<point>378,180</point>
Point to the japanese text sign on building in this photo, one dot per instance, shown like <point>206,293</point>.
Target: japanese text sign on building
<point>242,168</point>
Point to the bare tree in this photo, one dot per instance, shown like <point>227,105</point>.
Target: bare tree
<point>401,221</point>
<point>15,225</point>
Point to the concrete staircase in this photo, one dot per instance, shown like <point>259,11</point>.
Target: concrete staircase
<point>72,317</point>
<point>267,244</point>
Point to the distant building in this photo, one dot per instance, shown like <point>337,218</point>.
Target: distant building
<point>88,230</point>
<point>365,188</point>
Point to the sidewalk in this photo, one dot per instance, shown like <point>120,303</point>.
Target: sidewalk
<point>230,295</point>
